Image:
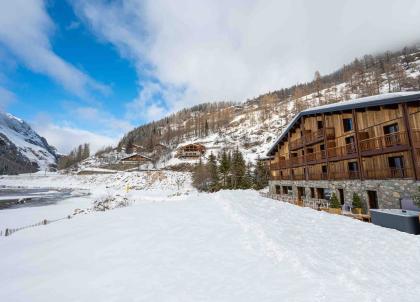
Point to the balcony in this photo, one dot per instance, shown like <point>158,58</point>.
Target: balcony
<point>311,138</point>
<point>342,152</point>
<point>297,161</point>
<point>344,175</point>
<point>296,144</point>
<point>392,142</point>
<point>389,173</point>
<point>316,156</point>
<point>317,136</point>
<point>318,176</point>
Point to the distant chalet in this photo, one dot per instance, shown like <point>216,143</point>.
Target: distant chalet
<point>191,151</point>
<point>136,158</point>
<point>369,146</point>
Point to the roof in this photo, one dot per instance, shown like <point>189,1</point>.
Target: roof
<point>135,154</point>
<point>370,101</point>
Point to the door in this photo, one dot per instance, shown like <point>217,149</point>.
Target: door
<point>301,193</point>
<point>341,193</point>
<point>373,199</point>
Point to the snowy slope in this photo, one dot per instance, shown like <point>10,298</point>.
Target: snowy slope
<point>227,246</point>
<point>22,146</point>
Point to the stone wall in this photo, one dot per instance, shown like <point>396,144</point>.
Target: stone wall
<point>389,192</point>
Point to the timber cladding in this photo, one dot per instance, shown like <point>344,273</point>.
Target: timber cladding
<point>369,138</point>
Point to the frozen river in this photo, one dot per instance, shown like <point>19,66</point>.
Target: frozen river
<point>11,198</point>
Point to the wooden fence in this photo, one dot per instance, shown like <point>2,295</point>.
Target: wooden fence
<point>10,231</point>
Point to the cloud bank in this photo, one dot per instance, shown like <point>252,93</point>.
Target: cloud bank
<point>196,51</point>
<point>25,29</point>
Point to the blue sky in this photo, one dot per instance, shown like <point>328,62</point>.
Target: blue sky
<point>89,71</point>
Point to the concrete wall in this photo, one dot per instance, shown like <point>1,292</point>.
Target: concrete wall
<point>389,192</point>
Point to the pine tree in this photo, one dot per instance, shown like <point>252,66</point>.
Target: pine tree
<point>224,168</point>
<point>238,169</point>
<point>334,202</point>
<point>213,173</point>
<point>260,175</point>
<point>86,151</point>
<point>201,177</point>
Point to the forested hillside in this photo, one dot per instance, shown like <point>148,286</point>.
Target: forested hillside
<point>253,124</point>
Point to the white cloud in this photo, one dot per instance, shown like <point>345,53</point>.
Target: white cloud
<point>6,98</point>
<point>25,28</point>
<point>217,50</point>
<point>66,138</point>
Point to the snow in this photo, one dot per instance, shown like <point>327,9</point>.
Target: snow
<point>26,140</point>
<point>175,244</point>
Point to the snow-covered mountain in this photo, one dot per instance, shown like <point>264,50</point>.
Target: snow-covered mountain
<point>253,125</point>
<point>21,148</point>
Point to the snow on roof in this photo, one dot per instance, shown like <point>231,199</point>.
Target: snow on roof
<point>370,101</point>
<point>135,154</point>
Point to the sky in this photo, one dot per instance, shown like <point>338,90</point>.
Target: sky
<point>89,71</point>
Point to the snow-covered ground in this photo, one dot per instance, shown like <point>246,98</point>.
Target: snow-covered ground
<point>175,244</point>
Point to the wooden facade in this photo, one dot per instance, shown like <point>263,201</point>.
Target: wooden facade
<point>191,151</point>
<point>136,158</point>
<point>377,139</point>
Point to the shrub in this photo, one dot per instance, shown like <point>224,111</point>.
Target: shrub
<point>357,202</point>
<point>334,202</point>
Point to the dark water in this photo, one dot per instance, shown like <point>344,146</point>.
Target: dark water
<point>11,198</point>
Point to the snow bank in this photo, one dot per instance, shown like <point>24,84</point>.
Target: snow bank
<point>227,246</point>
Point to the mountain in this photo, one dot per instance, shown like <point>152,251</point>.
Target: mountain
<point>23,150</point>
<point>252,125</point>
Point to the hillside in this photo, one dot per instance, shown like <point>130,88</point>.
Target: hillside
<point>21,148</point>
<point>253,125</point>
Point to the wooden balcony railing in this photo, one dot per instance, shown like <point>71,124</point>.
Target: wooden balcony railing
<point>344,175</point>
<point>297,161</point>
<point>299,176</point>
<point>319,135</point>
<point>320,155</point>
<point>385,141</point>
<point>388,173</point>
<point>296,144</point>
<point>280,177</point>
<point>342,151</point>
<point>318,176</point>
<point>311,137</point>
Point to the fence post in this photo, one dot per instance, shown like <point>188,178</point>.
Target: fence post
<point>6,233</point>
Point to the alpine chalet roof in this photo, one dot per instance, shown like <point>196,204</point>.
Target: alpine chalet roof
<point>370,101</point>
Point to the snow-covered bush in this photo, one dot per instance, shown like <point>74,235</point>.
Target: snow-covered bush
<point>110,202</point>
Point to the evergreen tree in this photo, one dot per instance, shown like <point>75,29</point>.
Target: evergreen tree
<point>201,177</point>
<point>238,169</point>
<point>224,168</point>
<point>334,202</point>
<point>86,151</point>
<point>260,175</point>
<point>247,180</point>
<point>213,173</point>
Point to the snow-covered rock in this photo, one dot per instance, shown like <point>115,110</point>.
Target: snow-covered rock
<point>21,148</point>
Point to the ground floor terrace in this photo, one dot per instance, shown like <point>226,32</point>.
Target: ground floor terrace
<point>386,193</point>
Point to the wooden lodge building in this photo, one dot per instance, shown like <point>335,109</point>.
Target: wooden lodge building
<point>191,151</point>
<point>370,146</point>
<point>136,158</point>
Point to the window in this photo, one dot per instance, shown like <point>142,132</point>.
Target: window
<point>312,192</point>
<point>320,124</point>
<point>391,135</point>
<point>396,165</point>
<point>353,167</point>
<point>350,145</point>
<point>391,128</point>
<point>278,190</point>
<point>347,124</point>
